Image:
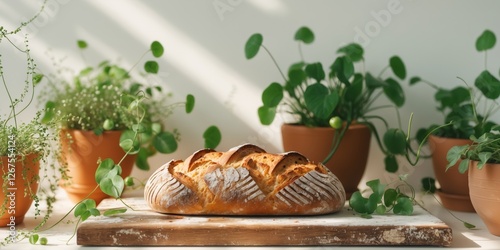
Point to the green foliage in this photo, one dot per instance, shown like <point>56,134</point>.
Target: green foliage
<point>484,149</point>
<point>23,138</point>
<point>107,97</point>
<point>460,105</point>
<point>313,96</point>
<point>253,45</point>
<point>383,199</point>
<point>484,133</point>
<point>212,137</point>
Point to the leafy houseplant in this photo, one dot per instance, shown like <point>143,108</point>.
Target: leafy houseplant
<point>340,98</point>
<point>460,108</point>
<point>27,175</point>
<point>105,101</point>
<point>482,156</point>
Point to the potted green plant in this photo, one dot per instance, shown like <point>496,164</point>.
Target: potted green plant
<point>25,143</point>
<point>105,112</point>
<point>481,159</point>
<point>457,107</point>
<point>338,105</point>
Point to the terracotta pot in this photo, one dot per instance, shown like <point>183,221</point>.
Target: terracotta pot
<point>348,163</point>
<point>82,154</point>
<point>18,203</point>
<point>454,191</point>
<point>484,187</point>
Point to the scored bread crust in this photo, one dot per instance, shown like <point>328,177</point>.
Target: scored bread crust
<point>245,180</point>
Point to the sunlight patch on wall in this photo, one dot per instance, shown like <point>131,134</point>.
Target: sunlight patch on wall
<point>272,7</point>
<point>190,57</point>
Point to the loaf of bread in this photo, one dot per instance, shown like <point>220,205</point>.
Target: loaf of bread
<point>245,180</point>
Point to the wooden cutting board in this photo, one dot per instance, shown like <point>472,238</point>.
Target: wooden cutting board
<point>144,227</point>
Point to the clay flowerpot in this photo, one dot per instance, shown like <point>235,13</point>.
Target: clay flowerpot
<point>484,187</point>
<point>454,191</point>
<point>348,163</point>
<point>17,174</point>
<point>81,151</point>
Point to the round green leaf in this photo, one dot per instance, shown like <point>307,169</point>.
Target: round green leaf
<point>395,141</point>
<point>252,45</point>
<point>404,206</point>
<point>381,209</point>
<point>343,69</point>
<point>81,44</point>
<point>394,92</point>
<point>142,159</point>
<point>455,154</point>
<point>266,114</point>
<point>165,142</point>
<point>103,169</point>
<point>190,101</point>
<point>315,71</point>
<point>295,79</point>
<point>390,197</point>
<point>353,92</point>
<point>212,136</point>
<point>358,203</point>
<point>391,164</point>
<point>485,41</point>
<point>373,83</point>
<point>415,80</point>
<point>488,84</point>
<point>112,186</point>
<point>319,101</point>
<point>398,67</point>
<point>129,142</point>
<point>272,95</point>
<point>305,35</point>
<point>156,49</point>
<point>151,67</point>
<point>429,184</point>
<point>354,51</point>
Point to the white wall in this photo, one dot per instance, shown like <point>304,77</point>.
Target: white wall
<point>204,51</point>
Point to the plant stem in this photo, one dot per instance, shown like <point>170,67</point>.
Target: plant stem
<point>67,214</point>
<point>274,61</point>
<point>137,62</point>
<point>300,53</point>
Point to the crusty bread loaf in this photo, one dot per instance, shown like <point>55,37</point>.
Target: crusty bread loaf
<point>245,180</point>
